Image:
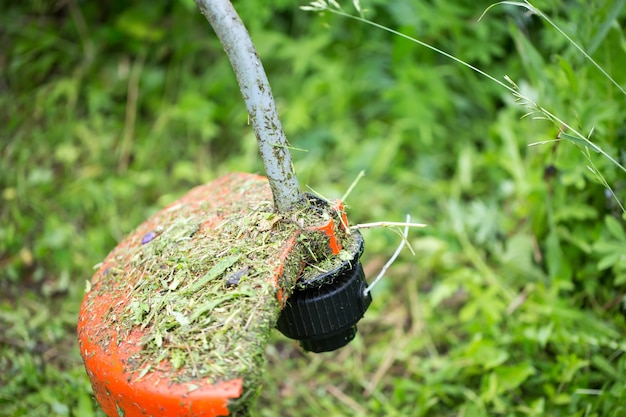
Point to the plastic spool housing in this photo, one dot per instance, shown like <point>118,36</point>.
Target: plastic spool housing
<point>322,313</point>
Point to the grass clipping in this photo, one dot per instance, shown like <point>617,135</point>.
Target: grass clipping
<point>203,280</point>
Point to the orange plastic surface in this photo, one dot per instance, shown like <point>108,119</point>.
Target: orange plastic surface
<point>120,388</point>
<point>329,230</point>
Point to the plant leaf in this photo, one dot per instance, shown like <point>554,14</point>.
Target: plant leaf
<point>579,141</point>
<point>217,270</point>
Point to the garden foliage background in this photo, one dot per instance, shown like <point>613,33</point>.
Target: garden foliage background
<point>513,303</point>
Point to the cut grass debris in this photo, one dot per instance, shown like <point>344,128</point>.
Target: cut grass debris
<point>203,281</point>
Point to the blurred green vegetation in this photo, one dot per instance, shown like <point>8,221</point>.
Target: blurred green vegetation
<point>513,304</point>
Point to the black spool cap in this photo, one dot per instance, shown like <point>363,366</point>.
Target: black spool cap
<point>322,313</point>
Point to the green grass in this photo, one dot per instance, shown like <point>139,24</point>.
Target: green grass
<point>513,305</point>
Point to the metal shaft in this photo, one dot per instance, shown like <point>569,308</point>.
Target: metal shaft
<point>257,94</point>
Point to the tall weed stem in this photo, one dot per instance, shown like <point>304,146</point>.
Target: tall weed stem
<point>534,109</point>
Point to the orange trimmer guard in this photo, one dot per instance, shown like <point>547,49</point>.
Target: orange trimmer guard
<point>112,344</point>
